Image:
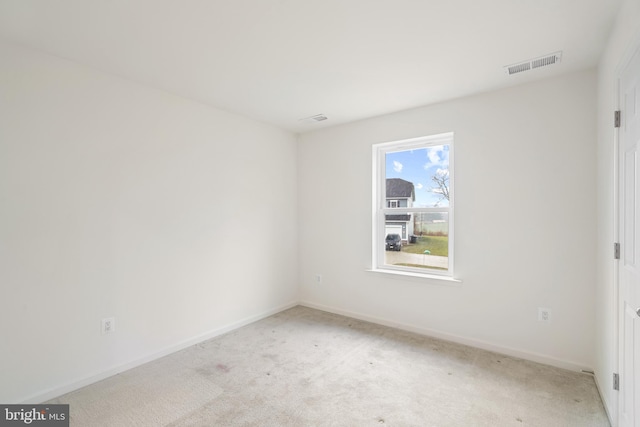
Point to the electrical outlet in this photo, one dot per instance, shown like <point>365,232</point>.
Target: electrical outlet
<point>544,314</point>
<point>108,325</point>
<point>318,278</point>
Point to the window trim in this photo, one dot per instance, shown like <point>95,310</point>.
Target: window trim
<point>379,205</point>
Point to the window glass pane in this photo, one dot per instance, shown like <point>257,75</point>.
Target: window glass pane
<point>418,177</point>
<point>413,211</point>
<point>420,240</point>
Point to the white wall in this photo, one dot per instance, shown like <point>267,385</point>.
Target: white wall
<point>525,221</point>
<point>120,200</point>
<point>624,35</point>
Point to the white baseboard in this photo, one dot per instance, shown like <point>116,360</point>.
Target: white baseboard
<point>77,384</point>
<point>534,357</point>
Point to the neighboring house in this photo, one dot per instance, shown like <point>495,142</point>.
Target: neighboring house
<point>400,194</point>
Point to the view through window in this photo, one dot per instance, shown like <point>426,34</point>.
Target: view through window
<point>413,213</point>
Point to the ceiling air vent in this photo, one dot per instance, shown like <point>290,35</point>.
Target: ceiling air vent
<point>532,64</point>
<point>313,119</point>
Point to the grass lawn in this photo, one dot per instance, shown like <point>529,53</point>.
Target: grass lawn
<point>437,245</point>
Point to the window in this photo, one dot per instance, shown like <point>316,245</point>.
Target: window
<point>413,205</point>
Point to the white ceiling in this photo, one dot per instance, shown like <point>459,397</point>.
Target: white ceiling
<point>278,61</point>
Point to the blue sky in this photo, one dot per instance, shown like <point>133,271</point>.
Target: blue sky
<point>418,166</point>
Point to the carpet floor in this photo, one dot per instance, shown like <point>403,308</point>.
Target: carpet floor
<point>304,367</point>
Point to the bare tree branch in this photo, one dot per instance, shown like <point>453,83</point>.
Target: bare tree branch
<point>441,179</point>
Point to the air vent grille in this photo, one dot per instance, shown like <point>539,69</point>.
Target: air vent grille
<point>518,68</point>
<point>532,64</point>
<point>543,62</point>
<point>313,119</point>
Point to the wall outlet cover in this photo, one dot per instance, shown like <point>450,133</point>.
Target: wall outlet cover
<point>544,314</point>
<point>108,325</point>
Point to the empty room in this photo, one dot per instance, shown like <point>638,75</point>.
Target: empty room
<point>340,213</point>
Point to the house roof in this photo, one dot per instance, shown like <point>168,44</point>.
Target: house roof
<point>399,188</point>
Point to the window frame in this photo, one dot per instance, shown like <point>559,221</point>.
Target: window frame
<point>380,209</point>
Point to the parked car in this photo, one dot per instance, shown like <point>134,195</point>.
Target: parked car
<point>393,242</point>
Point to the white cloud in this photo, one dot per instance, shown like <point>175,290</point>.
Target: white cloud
<point>397,166</point>
<point>437,157</point>
<point>442,172</point>
<point>419,186</point>
<point>433,154</point>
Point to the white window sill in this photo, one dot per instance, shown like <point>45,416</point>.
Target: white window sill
<point>444,280</point>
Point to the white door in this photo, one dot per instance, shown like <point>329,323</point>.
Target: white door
<point>629,264</point>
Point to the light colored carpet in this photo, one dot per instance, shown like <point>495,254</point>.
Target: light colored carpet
<point>304,367</point>
<point>154,394</point>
